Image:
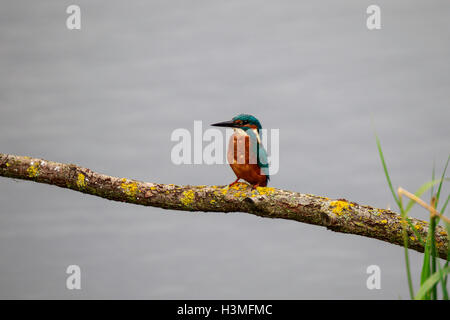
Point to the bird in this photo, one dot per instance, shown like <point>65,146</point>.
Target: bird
<point>246,154</point>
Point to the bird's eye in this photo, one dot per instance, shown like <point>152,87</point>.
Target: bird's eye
<point>245,122</point>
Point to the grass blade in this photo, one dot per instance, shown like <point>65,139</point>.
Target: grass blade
<point>380,152</point>
<point>405,246</point>
<point>433,254</point>
<point>430,283</point>
<point>423,188</point>
<point>443,280</point>
<point>400,206</point>
<point>445,205</point>
<point>426,264</point>
<point>433,174</point>
<point>416,233</point>
<point>438,193</point>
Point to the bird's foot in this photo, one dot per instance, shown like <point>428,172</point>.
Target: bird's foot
<point>233,183</point>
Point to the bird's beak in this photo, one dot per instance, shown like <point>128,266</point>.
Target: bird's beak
<point>228,124</point>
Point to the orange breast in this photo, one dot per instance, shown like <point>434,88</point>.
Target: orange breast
<point>243,162</point>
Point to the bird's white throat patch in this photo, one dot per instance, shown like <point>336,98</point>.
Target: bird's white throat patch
<point>240,132</point>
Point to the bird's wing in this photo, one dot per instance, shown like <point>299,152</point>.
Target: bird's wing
<point>261,153</point>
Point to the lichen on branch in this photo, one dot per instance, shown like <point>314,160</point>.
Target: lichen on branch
<point>338,215</point>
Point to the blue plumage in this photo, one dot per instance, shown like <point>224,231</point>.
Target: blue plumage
<point>259,150</point>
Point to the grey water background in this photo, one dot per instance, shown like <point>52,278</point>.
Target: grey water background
<point>108,97</point>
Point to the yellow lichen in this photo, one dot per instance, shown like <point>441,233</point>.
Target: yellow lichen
<point>265,190</point>
<point>212,201</point>
<point>33,170</point>
<point>130,188</point>
<point>339,206</point>
<point>384,221</point>
<point>8,164</point>
<point>239,186</point>
<point>188,197</point>
<point>81,183</point>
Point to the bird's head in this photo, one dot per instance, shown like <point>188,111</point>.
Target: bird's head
<point>242,121</point>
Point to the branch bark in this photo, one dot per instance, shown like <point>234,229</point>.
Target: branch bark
<point>338,215</point>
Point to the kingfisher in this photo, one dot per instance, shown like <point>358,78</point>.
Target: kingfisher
<point>246,155</point>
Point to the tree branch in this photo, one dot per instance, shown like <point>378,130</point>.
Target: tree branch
<point>338,215</point>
